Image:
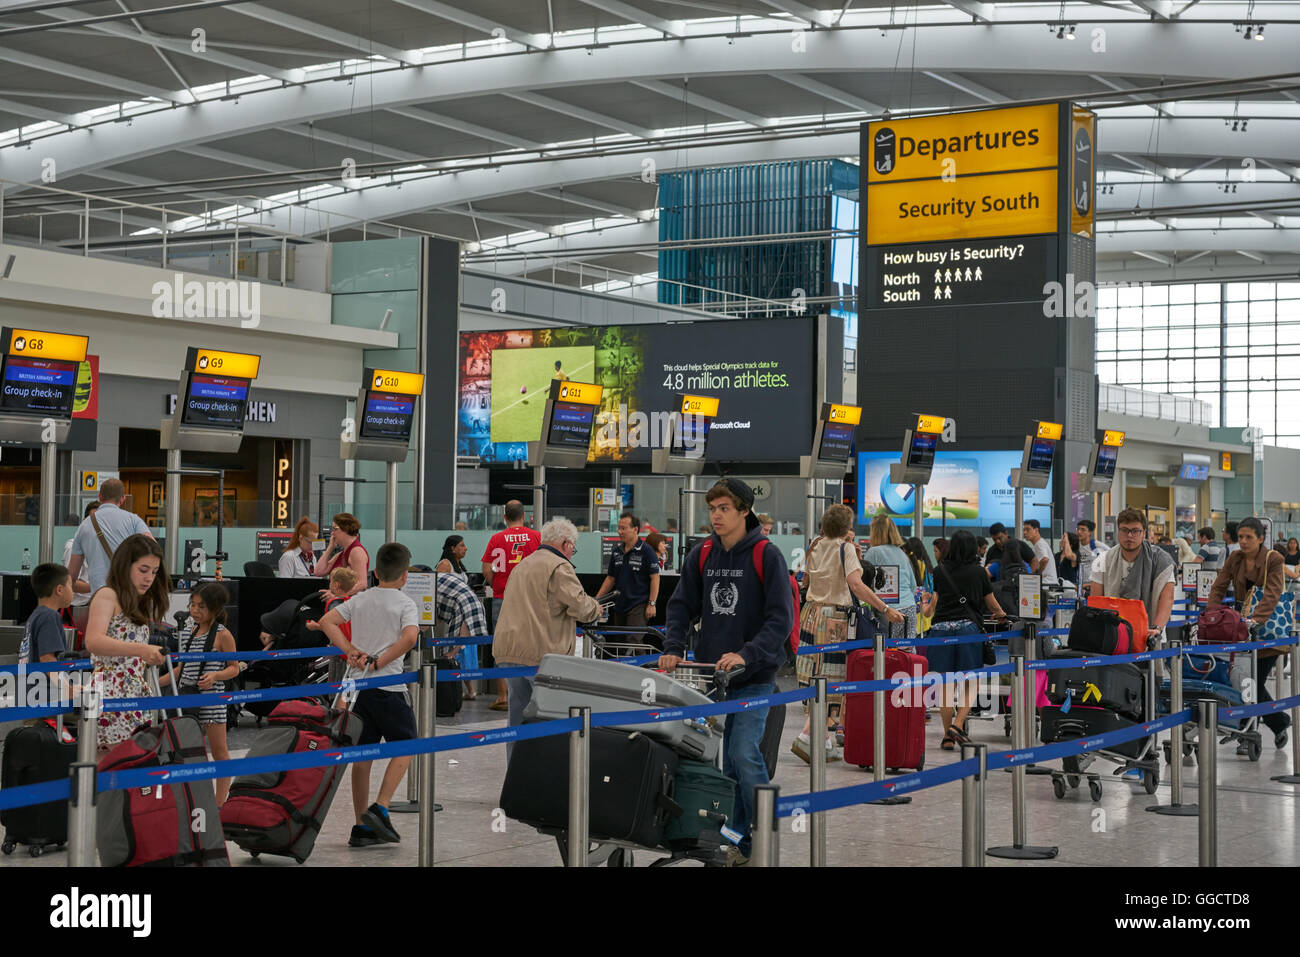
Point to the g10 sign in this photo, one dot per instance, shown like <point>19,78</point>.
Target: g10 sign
<point>982,479</point>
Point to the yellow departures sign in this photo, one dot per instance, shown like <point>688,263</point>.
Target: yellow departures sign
<point>1050,430</point>
<point>1113,437</point>
<point>963,176</point>
<point>963,144</point>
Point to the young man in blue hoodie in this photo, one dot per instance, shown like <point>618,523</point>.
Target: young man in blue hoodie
<point>745,619</point>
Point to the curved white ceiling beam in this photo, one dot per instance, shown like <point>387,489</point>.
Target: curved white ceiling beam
<point>1203,51</point>
<point>383,202</point>
<point>1233,236</point>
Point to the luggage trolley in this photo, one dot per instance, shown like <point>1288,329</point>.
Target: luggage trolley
<point>710,850</point>
<point>613,643</point>
<point>1143,756</point>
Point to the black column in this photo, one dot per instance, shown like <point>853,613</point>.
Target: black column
<point>439,357</point>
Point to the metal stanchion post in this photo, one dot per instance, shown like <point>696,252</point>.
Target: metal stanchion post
<point>1176,807</point>
<point>1018,849</point>
<point>1294,776</point>
<point>579,788</point>
<point>817,774</point>
<point>412,803</point>
<point>1032,653</point>
<point>766,850</point>
<point>426,764</point>
<point>878,702</point>
<point>81,805</point>
<point>1209,780</point>
<point>972,807</point>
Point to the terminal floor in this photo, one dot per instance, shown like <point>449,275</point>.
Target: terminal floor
<point>1258,820</point>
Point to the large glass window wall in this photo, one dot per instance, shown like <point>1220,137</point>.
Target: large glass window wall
<point>1233,345</point>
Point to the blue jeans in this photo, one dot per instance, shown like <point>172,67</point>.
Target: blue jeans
<point>521,692</point>
<point>742,756</point>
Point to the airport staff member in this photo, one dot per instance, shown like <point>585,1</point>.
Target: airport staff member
<point>99,535</point>
<point>634,571</point>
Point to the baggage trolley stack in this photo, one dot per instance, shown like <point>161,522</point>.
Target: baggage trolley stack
<point>654,787</point>
<point>1098,699</point>
<point>1215,677</point>
<point>610,644</point>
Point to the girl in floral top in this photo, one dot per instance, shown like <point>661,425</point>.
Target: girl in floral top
<point>117,632</point>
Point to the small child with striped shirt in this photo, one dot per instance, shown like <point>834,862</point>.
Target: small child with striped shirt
<point>207,624</point>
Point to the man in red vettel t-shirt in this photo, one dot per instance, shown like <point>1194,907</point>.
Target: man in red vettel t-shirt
<point>504,551</point>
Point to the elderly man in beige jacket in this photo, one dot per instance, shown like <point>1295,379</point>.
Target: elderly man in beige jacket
<point>542,605</point>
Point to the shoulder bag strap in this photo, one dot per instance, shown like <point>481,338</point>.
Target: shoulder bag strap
<point>961,598</point>
<point>99,532</point>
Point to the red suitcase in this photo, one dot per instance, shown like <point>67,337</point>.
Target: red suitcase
<point>904,726</point>
<point>282,812</point>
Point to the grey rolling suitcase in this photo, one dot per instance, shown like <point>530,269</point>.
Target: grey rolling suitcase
<point>564,681</point>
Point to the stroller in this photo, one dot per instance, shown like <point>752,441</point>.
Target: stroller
<point>287,626</point>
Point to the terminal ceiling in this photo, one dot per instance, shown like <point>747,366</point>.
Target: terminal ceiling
<point>525,124</point>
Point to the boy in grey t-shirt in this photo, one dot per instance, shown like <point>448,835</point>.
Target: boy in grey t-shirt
<point>385,626</point>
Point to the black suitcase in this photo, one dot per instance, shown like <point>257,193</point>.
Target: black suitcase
<point>1100,631</point>
<point>33,755</point>
<point>1087,722</point>
<point>449,696</point>
<point>630,786</point>
<point>1118,687</point>
<point>772,737</point>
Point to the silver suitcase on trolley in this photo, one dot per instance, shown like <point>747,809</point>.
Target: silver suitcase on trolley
<point>564,681</point>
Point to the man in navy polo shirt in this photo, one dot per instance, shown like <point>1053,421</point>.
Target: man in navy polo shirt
<point>634,571</point>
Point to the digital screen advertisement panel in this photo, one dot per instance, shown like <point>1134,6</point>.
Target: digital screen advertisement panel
<point>760,370</point>
<point>39,386</point>
<point>216,402</point>
<point>387,415</point>
<point>983,479</point>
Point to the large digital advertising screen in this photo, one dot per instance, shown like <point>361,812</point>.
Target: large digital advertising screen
<point>761,371</point>
<point>983,479</point>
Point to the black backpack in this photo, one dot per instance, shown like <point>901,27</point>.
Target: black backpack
<point>1007,587</point>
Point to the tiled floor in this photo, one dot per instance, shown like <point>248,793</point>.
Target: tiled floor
<point>1257,819</point>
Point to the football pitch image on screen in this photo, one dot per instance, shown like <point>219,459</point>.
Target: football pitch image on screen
<point>521,379</point>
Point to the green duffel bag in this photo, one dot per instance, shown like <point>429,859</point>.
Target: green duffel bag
<point>699,787</point>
